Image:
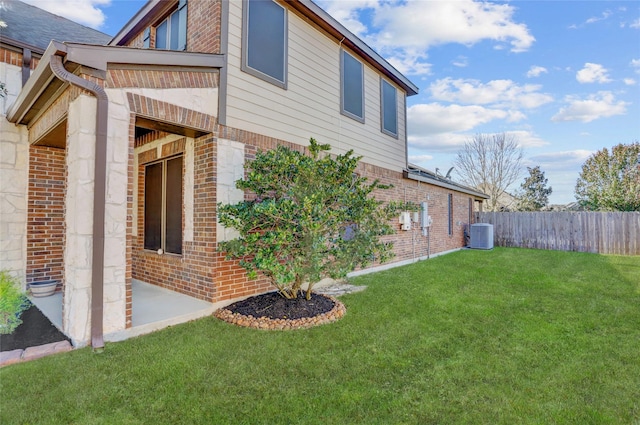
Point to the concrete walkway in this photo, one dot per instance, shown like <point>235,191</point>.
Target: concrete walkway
<point>153,308</point>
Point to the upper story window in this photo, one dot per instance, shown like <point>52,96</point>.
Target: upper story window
<point>352,86</point>
<point>264,41</point>
<point>389,105</point>
<point>171,34</point>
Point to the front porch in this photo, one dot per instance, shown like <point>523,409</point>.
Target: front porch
<point>153,308</point>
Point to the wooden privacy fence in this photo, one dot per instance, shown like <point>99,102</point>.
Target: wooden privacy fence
<point>601,232</point>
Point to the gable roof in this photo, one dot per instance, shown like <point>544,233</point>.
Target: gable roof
<point>31,27</point>
<point>306,8</point>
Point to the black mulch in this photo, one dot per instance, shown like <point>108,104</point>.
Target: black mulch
<point>275,306</point>
<point>35,330</point>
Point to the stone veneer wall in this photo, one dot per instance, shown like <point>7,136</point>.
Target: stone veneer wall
<point>14,172</point>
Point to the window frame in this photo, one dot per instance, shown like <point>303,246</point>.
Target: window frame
<point>181,18</point>
<point>383,110</point>
<point>450,213</point>
<point>246,35</point>
<point>164,225</point>
<point>343,82</point>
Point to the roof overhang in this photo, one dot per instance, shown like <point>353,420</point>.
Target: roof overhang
<point>446,185</point>
<point>331,26</point>
<point>305,8</point>
<point>43,85</point>
<point>10,42</point>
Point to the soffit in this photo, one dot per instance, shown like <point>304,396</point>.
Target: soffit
<point>43,87</point>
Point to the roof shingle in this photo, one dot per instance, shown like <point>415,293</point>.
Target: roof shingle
<point>36,27</point>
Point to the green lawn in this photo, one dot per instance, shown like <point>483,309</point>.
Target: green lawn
<point>508,336</point>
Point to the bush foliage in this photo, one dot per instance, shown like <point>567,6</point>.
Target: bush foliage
<point>12,303</point>
<point>312,217</point>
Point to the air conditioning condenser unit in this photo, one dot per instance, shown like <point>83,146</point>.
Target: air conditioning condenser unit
<point>481,236</point>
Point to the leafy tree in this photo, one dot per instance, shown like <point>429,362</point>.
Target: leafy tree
<point>534,194</point>
<point>610,181</point>
<point>312,217</point>
<point>490,163</point>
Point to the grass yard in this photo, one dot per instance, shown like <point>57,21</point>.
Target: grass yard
<point>509,336</point>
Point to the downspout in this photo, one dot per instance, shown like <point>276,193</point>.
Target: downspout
<point>99,192</point>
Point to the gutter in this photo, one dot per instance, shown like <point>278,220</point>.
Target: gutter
<point>99,192</point>
<point>412,176</point>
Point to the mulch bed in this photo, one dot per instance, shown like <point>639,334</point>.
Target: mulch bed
<point>273,311</point>
<point>36,329</point>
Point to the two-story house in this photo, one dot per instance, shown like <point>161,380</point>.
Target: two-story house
<point>147,134</point>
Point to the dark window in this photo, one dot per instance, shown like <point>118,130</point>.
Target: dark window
<point>450,214</point>
<point>163,206</point>
<point>171,34</point>
<point>265,41</point>
<point>389,101</point>
<point>352,90</point>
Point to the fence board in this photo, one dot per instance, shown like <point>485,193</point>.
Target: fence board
<point>601,232</point>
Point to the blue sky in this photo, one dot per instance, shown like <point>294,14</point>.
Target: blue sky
<point>563,77</point>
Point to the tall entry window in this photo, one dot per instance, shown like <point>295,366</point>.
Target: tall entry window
<point>264,33</point>
<point>163,206</point>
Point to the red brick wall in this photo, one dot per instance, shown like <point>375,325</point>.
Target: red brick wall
<point>203,24</point>
<point>407,244</point>
<point>13,57</point>
<point>203,272</point>
<point>203,27</point>
<point>45,215</point>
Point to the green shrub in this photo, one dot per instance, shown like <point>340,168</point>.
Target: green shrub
<point>12,303</point>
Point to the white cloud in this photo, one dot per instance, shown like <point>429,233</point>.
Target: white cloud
<point>434,118</point>
<point>593,73</point>
<point>422,24</point>
<point>536,71</point>
<point>410,63</point>
<point>635,24</point>
<point>417,159</point>
<point>635,63</point>
<point>527,139</point>
<point>629,81</point>
<point>461,62</point>
<point>452,142</point>
<point>577,156</point>
<point>445,143</point>
<point>599,105</point>
<point>419,25</point>
<point>85,12</point>
<point>595,19</point>
<point>499,93</point>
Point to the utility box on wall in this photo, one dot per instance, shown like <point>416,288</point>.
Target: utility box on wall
<point>481,236</point>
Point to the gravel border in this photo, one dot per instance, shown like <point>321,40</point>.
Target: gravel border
<point>264,323</point>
